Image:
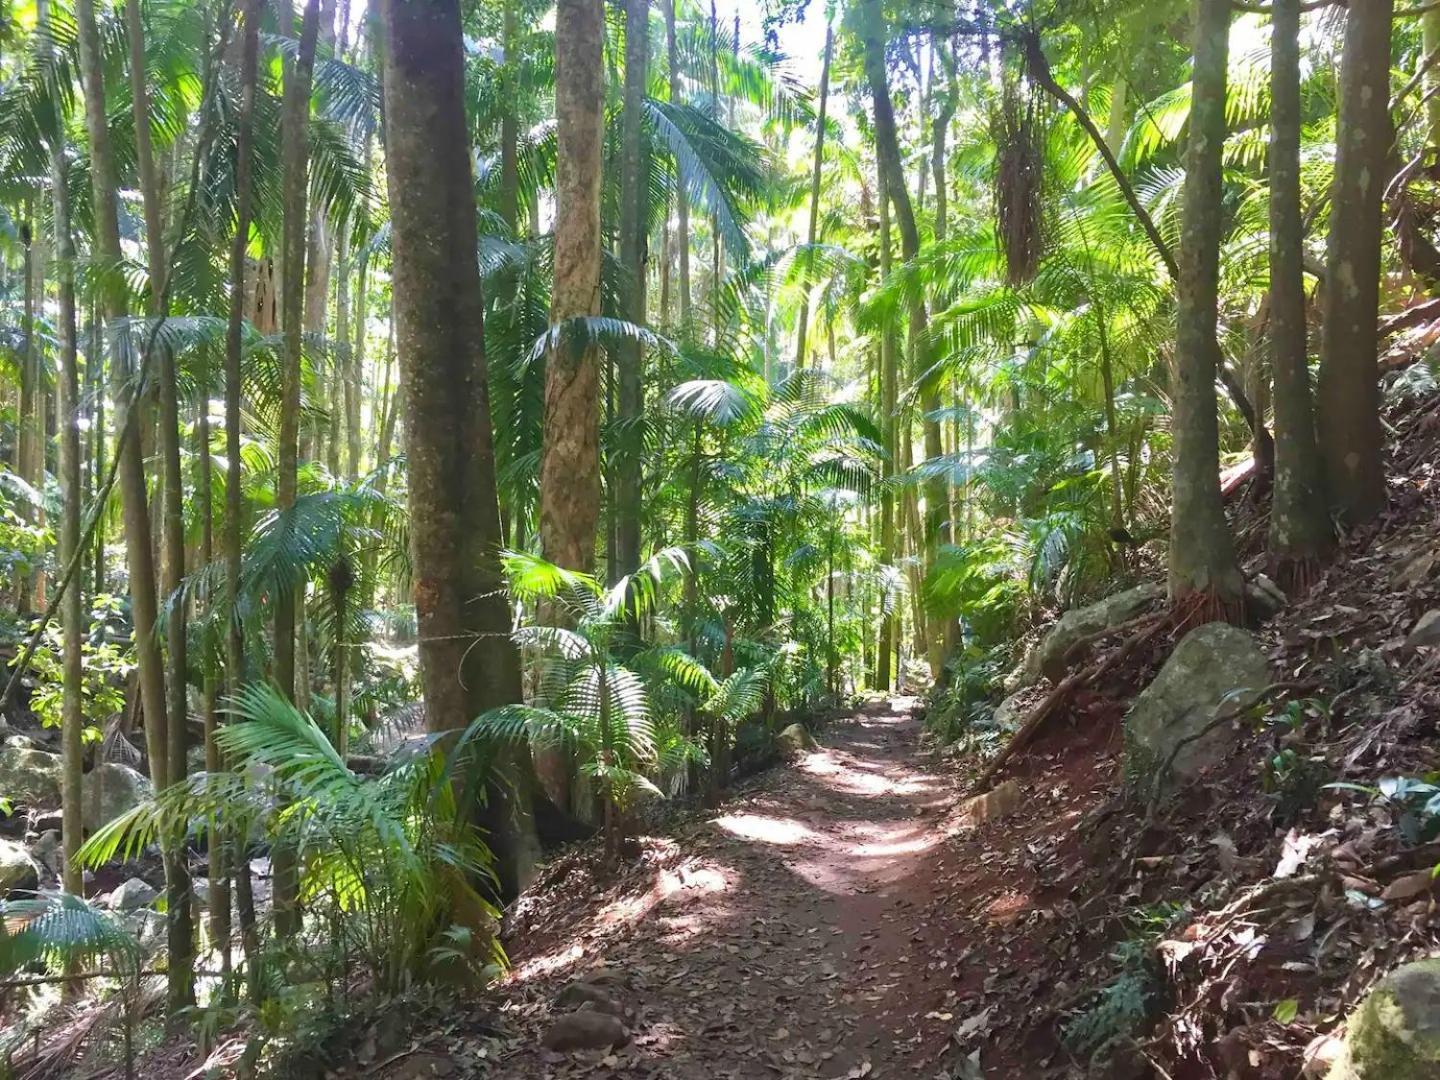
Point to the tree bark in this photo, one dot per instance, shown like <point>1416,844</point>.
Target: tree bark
<point>468,661</point>
<point>1299,524</point>
<point>815,175</point>
<point>1348,390</point>
<point>682,202</point>
<point>889,385</point>
<point>570,453</point>
<point>1202,554</point>
<point>633,200</point>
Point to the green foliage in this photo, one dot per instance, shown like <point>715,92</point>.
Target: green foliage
<point>106,659</point>
<point>59,930</point>
<point>1124,1006</point>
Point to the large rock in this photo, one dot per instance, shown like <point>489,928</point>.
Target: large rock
<point>17,868</point>
<point>586,1029</point>
<point>795,739</point>
<point>112,790</point>
<point>132,895</point>
<point>29,777</point>
<point>1209,665</point>
<point>1395,1033</point>
<point>1048,659</point>
<point>996,803</point>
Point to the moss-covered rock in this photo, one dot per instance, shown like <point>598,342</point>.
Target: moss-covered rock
<point>1395,1033</point>
<point>795,739</point>
<point>1049,658</point>
<point>30,778</point>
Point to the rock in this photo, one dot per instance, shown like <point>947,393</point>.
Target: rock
<point>133,895</point>
<point>49,851</point>
<point>22,742</point>
<point>1009,713</point>
<point>994,804</point>
<point>1049,658</point>
<point>30,777</point>
<point>581,993</point>
<point>1264,598</point>
<point>1320,1056</point>
<point>795,739</point>
<point>586,1029</point>
<point>1394,1034</point>
<point>112,790</point>
<point>200,892</point>
<point>1426,630</point>
<point>17,869</point>
<point>195,760</point>
<point>1207,667</point>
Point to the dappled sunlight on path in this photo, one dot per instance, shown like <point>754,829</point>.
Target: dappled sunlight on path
<point>763,942</point>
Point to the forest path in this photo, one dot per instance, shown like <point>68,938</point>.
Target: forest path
<point>785,938</point>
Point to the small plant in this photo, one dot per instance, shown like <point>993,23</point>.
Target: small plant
<point>1124,1005</point>
<point>1414,802</point>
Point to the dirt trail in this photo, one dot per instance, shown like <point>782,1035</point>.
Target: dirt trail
<point>782,937</point>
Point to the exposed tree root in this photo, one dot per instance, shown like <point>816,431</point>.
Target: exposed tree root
<point>1296,574</point>
<point>1206,606</point>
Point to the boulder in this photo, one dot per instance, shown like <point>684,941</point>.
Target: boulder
<point>22,742</point>
<point>29,777</point>
<point>48,850</point>
<point>1394,1034</point>
<point>1264,598</point>
<point>795,739</point>
<point>1426,631</point>
<point>132,895</point>
<point>112,790</point>
<point>17,868</point>
<point>994,804</point>
<point>586,1029</point>
<point>1209,665</point>
<point>1049,658</point>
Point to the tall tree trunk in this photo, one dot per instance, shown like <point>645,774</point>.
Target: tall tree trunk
<point>570,454</point>
<point>1348,391</point>
<point>889,385</point>
<point>26,444</point>
<point>231,850</point>
<point>72,616</point>
<point>1430,34</point>
<point>510,123</point>
<point>468,661</point>
<point>136,513</point>
<point>634,192</point>
<point>887,149</point>
<point>1299,524</point>
<point>181,975</point>
<point>682,201</point>
<point>815,174</point>
<point>1202,555</point>
<point>295,144</point>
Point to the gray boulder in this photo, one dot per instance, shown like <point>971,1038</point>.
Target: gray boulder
<point>1395,1032</point>
<point>132,895</point>
<point>29,777</point>
<point>112,790</point>
<point>1049,658</point>
<point>1210,664</point>
<point>795,739</point>
<point>17,868</point>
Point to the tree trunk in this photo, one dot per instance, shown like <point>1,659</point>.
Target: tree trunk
<point>27,445</point>
<point>72,615</point>
<point>1202,555</point>
<point>815,174</point>
<point>468,661</point>
<point>1348,391</point>
<point>634,192</point>
<point>887,150</point>
<point>232,848</point>
<point>570,455</point>
<point>889,385</point>
<point>682,202</point>
<point>509,124</point>
<point>1299,524</point>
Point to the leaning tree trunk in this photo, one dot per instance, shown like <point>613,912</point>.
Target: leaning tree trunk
<point>570,454</point>
<point>811,231</point>
<point>1348,391</point>
<point>634,192</point>
<point>1299,524</point>
<point>468,662</point>
<point>1202,554</point>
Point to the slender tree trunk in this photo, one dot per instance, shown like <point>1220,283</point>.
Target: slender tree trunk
<point>1299,524</point>
<point>1430,43</point>
<point>889,385</point>
<point>181,980</point>
<point>570,455</point>
<point>295,143</point>
<point>26,444</point>
<point>139,552</point>
<point>1348,391</point>
<point>887,148</point>
<point>468,662</point>
<point>682,201</point>
<point>510,124</point>
<point>1202,555</point>
<point>815,175</point>
<point>72,617</point>
<point>634,194</point>
<point>232,848</point>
